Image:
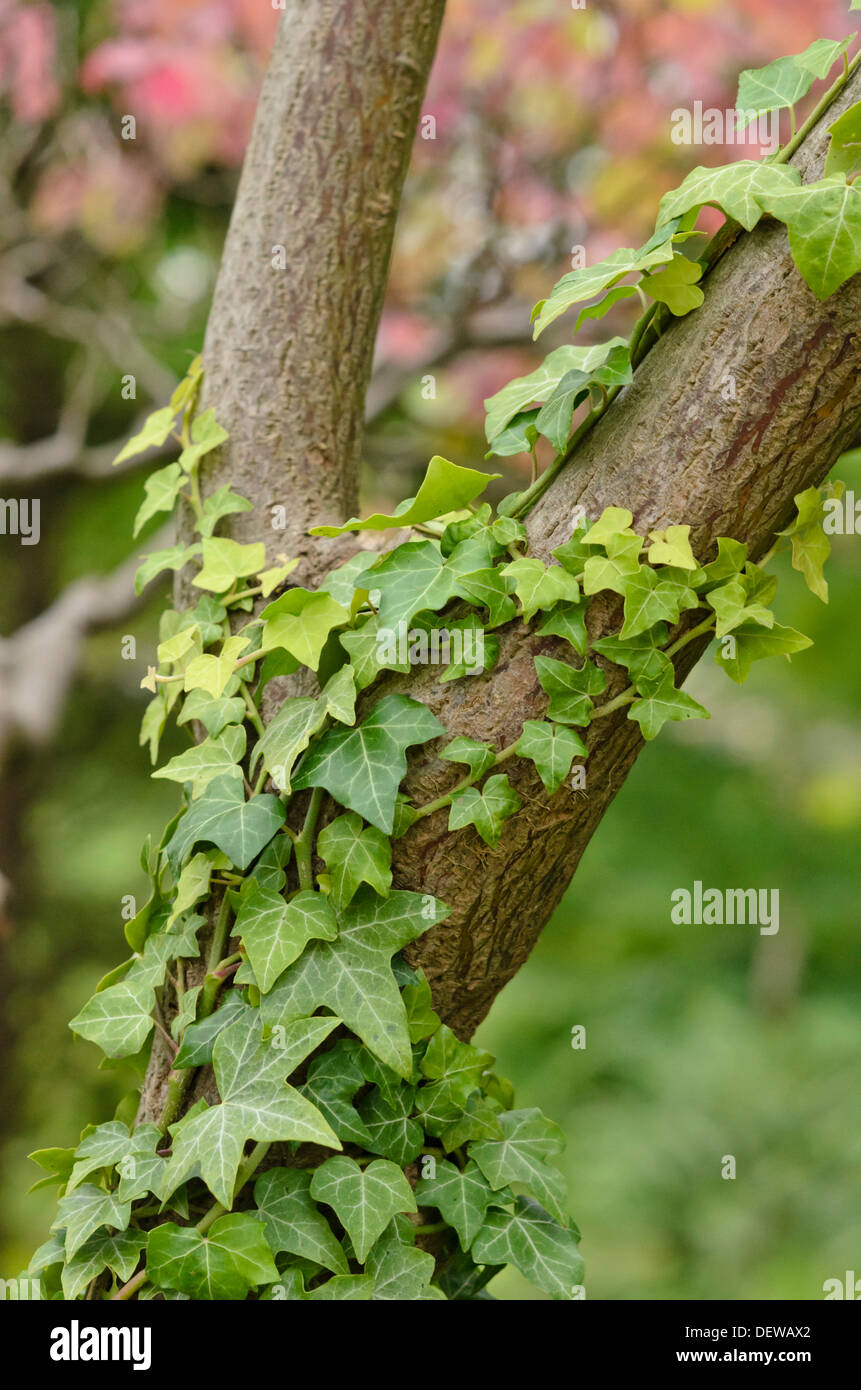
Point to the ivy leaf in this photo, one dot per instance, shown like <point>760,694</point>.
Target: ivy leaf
<point>352,975</point>
<point>400,1272</point>
<point>215,713</point>
<point>222,815</point>
<point>479,757</point>
<point>226,561</point>
<point>462,1197</point>
<point>671,547</point>
<point>118,1018</point>
<point>810,545</point>
<point>421,1018</point>
<point>613,522</point>
<point>580,285</point>
<point>552,748</point>
<point>174,558</point>
<point>102,1148</point>
<point>199,1038</point>
<point>223,502</point>
<point>212,673</point>
<point>256,1103</point>
<point>519,436</point>
<point>641,656</point>
<point>540,384</point>
<point>292,1221</point>
<point>487,810</point>
<point>186,1013</point>
<point>118,1251</point>
<point>275,933</point>
<point>487,587</point>
<point>333,1080</point>
<point>556,415</point>
<point>567,620</point>
<point>662,703</point>
<point>206,435</point>
<point>232,1258</point>
<point>544,1252</point>
<point>86,1209</point>
<point>286,736</point>
<point>207,760</point>
<point>824,224</point>
<point>162,489</point>
<point>528,1139</point>
<point>844,151</point>
<point>752,643</point>
<point>730,603</point>
<point>410,579</point>
<point>737,189</point>
<point>570,689</point>
<point>155,433</point>
<point>537,587</point>
<point>355,855</point>
<point>730,560</point>
<point>445,488</point>
<point>786,80</point>
<point>364,1200</point>
<point>300,621</point>
<point>362,768</point>
<point>392,1132</point>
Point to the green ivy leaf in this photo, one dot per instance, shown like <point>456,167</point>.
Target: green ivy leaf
<point>567,620</point>
<point>154,435</point>
<point>86,1209</point>
<point>213,674</point>
<point>162,489</point>
<point>410,579</point>
<point>355,855</point>
<point>479,757</point>
<point>223,502</point>
<point>232,1258</point>
<point>641,656</point>
<point>445,488</point>
<point>364,1200</point>
<point>752,643</point>
<point>275,933</point>
<point>206,435</point>
<point>117,1019</point>
<point>462,1197</point>
<point>256,1103</point>
<point>226,561</point>
<point>731,607</point>
<point>176,557</point>
<point>662,703</point>
<point>199,1038</point>
<point>540,587</point>
<point>737,189</point>
<point>786,80</point>
<point>810,545</point>
<point>392,1132</point>
<point>215,712</point>
<point>540,384</point>
<point>205,761</point>
<point>580,285</point>
<point>487,810</point>
<point>333,1080</point>
<point>519,436</point>
<point>552,748</point>
<point>824,224</point>
<point>672,547</point>
<point>300,621</point>
<point>844,151</point>
<point>362,768</point>
<point>352,975</point>
<point>118,1251</point>
<point>570,689</point>
<point>292,1220</point>
<point>544,1252</point>
<point>400,1272</point>
<point>529,1138</point>
<point>487,587</point>
<point>222,815</point>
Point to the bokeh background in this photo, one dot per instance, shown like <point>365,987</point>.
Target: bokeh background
<point>552,131</point>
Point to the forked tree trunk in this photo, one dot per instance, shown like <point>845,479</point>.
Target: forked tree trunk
<point>287,360</point>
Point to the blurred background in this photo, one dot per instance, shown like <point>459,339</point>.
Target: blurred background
<point>551,130</point>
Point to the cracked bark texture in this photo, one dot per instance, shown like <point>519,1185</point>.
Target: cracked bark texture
<point>288,351</point>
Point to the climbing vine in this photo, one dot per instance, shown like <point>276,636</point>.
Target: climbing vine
<point>324,1135</point>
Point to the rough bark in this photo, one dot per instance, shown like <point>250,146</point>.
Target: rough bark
<point>672,450</point>
<point>288,351</point>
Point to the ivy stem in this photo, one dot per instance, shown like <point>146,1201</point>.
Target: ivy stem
<point>303,842</point>
<point>253,713</point>
<point>445,799</point>
<point>819,110</point>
